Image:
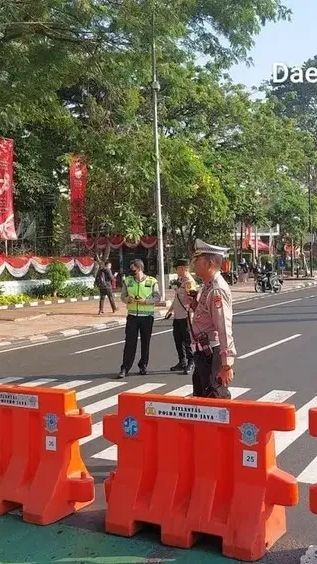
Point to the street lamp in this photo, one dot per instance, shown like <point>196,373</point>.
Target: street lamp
<point>256,250</point>
<point>155,90</point>
<point>310,223</point>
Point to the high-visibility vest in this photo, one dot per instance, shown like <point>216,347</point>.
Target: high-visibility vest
<point>142,290</point>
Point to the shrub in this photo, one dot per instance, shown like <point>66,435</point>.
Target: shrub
<point>40,292</point>
<point>58,274</point>
<point>77,290</point>
<point>12,300</point>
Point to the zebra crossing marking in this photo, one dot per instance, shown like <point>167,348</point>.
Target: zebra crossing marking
<point>96,390</point>
<point>72,384</point>
<point>284,439</point>
<point>277,396</point>
<point>9,380</point>
<point>40,382</point>
<point>309,474</point>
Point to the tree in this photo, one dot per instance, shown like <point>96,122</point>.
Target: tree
<point>76,75</point>
<point>289,209</point>
<point>297,100</point>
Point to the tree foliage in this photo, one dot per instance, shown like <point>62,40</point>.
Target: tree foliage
<point>76,77</point>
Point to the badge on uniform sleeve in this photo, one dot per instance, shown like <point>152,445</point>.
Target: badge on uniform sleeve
<point>217,301</point>
<point>249,433</point>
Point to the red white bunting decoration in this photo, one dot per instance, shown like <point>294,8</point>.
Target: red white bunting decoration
<point>78,174</point>
<point>7,229</point>
<point>117,241</point>
<point>19,266</point>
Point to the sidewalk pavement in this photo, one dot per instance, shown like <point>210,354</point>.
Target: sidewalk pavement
<point>52,322</point>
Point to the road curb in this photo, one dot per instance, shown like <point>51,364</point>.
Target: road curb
<point>56,301</point>
<point>57,335</point>
<point>41,303</point>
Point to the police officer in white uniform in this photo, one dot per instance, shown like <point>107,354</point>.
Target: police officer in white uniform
<point>211,327</point>
<point>185,284</point>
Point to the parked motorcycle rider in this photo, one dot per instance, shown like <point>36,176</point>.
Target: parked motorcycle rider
<point>268,271</point>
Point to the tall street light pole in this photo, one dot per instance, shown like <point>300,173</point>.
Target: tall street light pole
<point>310,223</point>
<point>155,90</point>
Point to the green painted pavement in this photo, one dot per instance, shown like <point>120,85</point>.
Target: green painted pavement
<point>22,542</point>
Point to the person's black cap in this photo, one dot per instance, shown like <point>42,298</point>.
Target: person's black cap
<point>181,262</point>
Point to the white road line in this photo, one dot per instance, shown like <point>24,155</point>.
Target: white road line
<point>9,380</point>
<point>268,306</point>
<point>111,452</point>
<point>111,402</point>
<point>271,346</point>
<point>309,475</point>
<point>284,439</point>
<point>117,343</point>
<point>40,382</point>
<point>72,384</point>
<point>277,396</point>
<point>95,390</point>
<point>182,392</point>
<point>237,392</point>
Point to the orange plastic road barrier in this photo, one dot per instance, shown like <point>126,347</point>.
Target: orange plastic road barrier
<point>194,466</point>
<point>40,463</point>
<point>313,432</point>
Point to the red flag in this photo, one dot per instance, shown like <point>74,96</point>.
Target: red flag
<point>248,235</point>
<point>7,229</point>
<point>78,174</point>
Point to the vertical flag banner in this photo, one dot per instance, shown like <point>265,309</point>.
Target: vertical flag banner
<point>248,236</point>
<point>78,174</point>
<point>7,228</point>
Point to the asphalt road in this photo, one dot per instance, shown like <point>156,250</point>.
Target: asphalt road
<point>276,339</point>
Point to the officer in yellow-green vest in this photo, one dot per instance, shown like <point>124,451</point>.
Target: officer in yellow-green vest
<point>140,293</point>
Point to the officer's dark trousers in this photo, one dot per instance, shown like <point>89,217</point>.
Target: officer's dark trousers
<point>136,324</point>
<point>182,341</point>
<point>205,373</point>
<point>103,293</point>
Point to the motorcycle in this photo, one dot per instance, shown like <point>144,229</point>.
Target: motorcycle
<point>263,284</point>
<point>230,277</point>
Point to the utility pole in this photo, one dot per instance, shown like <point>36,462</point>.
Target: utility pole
<point>256,246</point>
<point>310,223</point>
<point>155,90</point>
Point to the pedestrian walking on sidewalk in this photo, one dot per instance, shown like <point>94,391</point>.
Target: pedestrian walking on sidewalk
<point>104,280</point>
<point>184,284</point>
<point>140,292</point>
<point>211,327</point>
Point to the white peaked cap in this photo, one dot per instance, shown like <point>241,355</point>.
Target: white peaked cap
<point>204,248</point>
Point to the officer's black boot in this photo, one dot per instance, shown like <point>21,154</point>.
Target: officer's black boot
<point>189,368</point>
<point>178,367</point>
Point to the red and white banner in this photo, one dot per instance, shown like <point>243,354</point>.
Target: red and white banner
<point>288,250</point>
<point>7,229</point>
<point>78,174</point>
<point>19,266</point>
<point>248,235</point>
<point>118,241</point>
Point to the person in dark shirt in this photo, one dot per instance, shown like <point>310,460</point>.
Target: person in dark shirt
<point>104,280</point>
